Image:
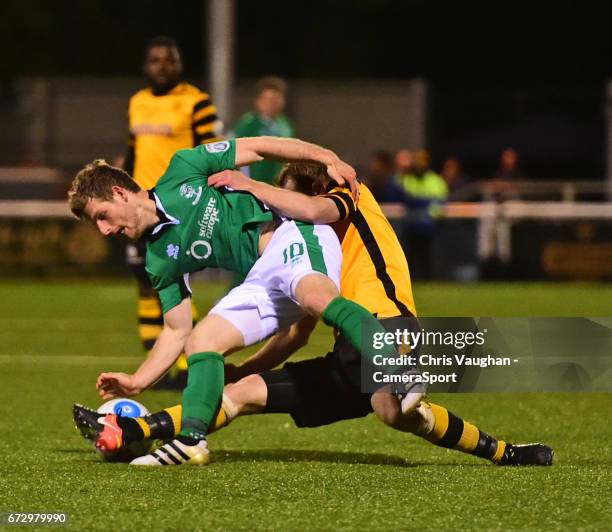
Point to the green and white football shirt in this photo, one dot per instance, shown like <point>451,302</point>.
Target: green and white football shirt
<point>201,227</point>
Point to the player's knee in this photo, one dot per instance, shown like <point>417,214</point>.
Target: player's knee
<point>315,292</point>
<point>196,343</point>
<point>190,346</point>
<point>388,409</point>
<point>249,394</point>
<point>315,304</point>
<point>213,334</point>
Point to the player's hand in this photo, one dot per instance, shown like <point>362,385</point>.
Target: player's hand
<point>344,174</point>
<point>112,385</point>
<point>230,178</point>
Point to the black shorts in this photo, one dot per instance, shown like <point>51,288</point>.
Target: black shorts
<point>323,390</point>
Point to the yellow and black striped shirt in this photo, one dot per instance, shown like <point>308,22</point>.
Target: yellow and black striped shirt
<point>374,268</point>
<point>162,124</point>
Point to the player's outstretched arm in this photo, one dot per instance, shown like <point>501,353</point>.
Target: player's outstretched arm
<point>253,149</point>
<point>275,351</point>
<point>313,209</point>
<point>167,348</point>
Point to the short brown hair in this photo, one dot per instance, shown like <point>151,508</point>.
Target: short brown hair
<point>270,82</point>
<point>309,178</point>
<point>96,180</point>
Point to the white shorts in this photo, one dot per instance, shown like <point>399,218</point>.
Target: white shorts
<point>265,302</point>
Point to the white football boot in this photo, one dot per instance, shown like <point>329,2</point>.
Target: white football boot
<point>175,453</point>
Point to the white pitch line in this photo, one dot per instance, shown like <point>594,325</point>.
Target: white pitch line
<point>67,359</point>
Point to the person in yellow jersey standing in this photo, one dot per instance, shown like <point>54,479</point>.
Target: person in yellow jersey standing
<point>169,115</point>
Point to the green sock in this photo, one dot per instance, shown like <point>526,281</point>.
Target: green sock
<point>357,325</point>
<point>203,393</point>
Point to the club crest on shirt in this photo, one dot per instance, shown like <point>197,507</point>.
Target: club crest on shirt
<point>217,147</point>
<point>188,192</point>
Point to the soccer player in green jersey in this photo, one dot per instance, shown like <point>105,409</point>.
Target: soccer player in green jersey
<point>324,389</point>
<point>293,268</point>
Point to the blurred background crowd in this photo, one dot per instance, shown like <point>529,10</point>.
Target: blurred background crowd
<point>485,136</point>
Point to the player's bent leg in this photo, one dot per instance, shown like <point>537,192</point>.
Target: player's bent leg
<point>212,337</point>
<point>162,425</point>
<point>247,396</point>
<point>316,294</point>
<point>437,425</point>
<point>180,451</point>
<point>214,333</point>
<point>452,432</point>
<point>314,392</point>
<point>200,402</point>
<point>387,407</point>
<point>319,296</point>
<point>209,340</point>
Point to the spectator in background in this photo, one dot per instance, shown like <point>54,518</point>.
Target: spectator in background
<point>421,181</point>
<point>509,168</point>
<point>404,161</point>
<point>426,191</point>
<point>453,174</point>
<point>267,118</point>
<point>380,178</point>
<point>164,117</point>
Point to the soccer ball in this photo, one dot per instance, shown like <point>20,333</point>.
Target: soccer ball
<point>127,408</point>
<point>124,407</point>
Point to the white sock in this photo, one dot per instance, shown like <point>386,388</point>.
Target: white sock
<point>427,419</point>
<point>230,409</point>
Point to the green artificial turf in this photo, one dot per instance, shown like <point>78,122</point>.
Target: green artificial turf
<point>265,473</point>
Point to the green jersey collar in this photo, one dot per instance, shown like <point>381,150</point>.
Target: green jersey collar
<point>165,218</point>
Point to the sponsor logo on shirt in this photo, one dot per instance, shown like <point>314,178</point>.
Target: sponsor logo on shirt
<point>217,147</point>
<point>164,130</point>
<point>188,192</point>
<point>200,249</point>
<point>172,251</point>
<point>209,219</point>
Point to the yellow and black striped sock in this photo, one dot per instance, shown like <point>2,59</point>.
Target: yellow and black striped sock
<point>159,425</point>
<point>166,424</point>
<point>150,320</point>
<point>452,432</point>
